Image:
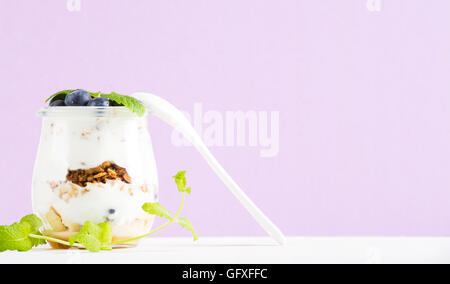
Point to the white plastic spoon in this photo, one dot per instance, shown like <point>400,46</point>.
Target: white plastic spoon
<point>174,117</point>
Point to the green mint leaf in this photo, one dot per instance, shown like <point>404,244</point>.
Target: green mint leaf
<point>34,221</point>
<point>16,236</point>
<point>38,242</point>
<point>95,95</point>
<point>157,209</point>
<point>185,223</point>
<point>180,180</point>
<point>106,235</point>
<point>59,96</point>
<point>129,102</point>
<point>94,237</point>
<point>36,225</point>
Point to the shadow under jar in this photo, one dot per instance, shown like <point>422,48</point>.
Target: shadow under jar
<point>94,164</point>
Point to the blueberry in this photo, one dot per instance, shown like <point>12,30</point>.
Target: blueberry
<point>111,211</point>
<point>99,102</point>
<point>77,98</point>
<point>57,103</point>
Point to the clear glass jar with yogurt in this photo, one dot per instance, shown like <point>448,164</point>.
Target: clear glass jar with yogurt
<point>94,164</point>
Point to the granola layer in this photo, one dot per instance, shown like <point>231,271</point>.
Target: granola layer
<point>106,171</point>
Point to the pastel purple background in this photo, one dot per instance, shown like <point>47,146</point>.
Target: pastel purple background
<point>364,102</point>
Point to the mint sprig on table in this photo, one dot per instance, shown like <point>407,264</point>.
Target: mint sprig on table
<point>25,235</point>
<point>118,100</point>
<point>18,236</point>
<point>158,210</point>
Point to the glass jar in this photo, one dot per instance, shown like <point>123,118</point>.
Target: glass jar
<point>94,164</point>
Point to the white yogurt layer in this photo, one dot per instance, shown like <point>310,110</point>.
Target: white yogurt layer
<point>85,142</point>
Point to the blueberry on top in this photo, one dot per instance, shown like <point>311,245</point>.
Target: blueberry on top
<point>78,98</point>
<point>111,211</point>
<point>99,102</point>
<point>57,103</point>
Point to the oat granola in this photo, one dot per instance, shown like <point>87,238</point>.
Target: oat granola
<point>100,174</point>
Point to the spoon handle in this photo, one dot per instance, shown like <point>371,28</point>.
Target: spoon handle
<point>174,117</point>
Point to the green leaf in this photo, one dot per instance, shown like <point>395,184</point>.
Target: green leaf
<point>180,180</point>
<point>38,242</point>
<point>95,95</point>
<point>16,236</point>
<point>157,209</point>
<point>34,221</point>
<point>59,96</point>
<point>94,237</point>
<point>36,225</point>
<point>129,102</point>
<point>106,233</point>
<point>185,223</point>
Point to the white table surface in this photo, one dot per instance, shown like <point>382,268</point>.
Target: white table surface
<point>253,251</point>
